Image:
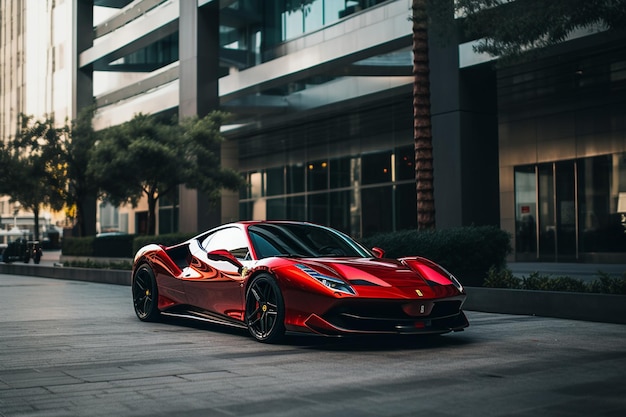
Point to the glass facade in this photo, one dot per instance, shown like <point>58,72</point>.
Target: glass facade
<point>302,16</point>
<point>571,210</point>
<point>376,204</point>
<point>352,171</point>
<point>252,29</point>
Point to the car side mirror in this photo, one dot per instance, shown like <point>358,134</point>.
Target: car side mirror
<point>378,252</point>
<point>224,255</point>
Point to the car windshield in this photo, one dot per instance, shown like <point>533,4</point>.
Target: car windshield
<point>302,240</point>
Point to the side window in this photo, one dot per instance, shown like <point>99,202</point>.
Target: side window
<point>232,239</point>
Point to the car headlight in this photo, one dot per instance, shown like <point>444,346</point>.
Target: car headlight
<point>448,275</point>
<point>334,284</point>
<point>425,265</point>
<point>455,281</point>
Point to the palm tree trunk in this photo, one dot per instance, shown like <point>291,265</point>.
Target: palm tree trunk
<point>422,129</point>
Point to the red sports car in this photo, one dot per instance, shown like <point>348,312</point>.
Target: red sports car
<point>273,277</point>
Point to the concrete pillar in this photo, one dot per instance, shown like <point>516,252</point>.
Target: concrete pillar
<point>465,138</point>
<point>198,78</point>
<point>82,95</point>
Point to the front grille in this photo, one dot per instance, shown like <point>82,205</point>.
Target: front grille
<point>446,308</point>
<point>389,316</point>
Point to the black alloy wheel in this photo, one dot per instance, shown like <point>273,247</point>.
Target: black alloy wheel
<point>265,309</point>
<point>145,294</point>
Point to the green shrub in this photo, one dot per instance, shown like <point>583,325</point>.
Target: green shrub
<point>78,246</point>
<point>608,284</point>
<point>114,246</point>
<point>536,281</point>
<point>89,263</point>
<point>501,278</point>
<point>604,284</point>
<point>166,240</point>
<point>467,252</point>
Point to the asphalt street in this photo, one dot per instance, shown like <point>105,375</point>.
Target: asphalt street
<point>70,348</point>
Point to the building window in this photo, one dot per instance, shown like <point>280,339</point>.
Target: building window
<point>376,168</point>
<point>275,181</point>
<point>376,210</point>
<point>557,221</point>
<point>405,163</point>
<point>317,175</point>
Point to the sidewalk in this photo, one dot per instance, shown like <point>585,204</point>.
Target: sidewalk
<point>586,272</point>
<point>50,257</point>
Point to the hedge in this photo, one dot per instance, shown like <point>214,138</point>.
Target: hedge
<point>78,246</point>
<point>117,246</point>
<point>167,240</point>
<point>467,252</point>
<point>603,283</point>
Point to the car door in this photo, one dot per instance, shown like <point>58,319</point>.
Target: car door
<point>213,283</point>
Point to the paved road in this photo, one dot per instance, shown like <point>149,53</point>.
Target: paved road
<point>71,348</point>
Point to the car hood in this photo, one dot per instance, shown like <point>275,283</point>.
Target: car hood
<point>368,271</point>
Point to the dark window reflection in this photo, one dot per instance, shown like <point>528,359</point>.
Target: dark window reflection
<point>406,207</point>
<point>318,208</point>
<point>376,168</point>
<point>317,174</point>
<point>340,172</point>
<point>405,163</point>
<point>295,178</point>
<point>376,210</point>
<point>275,178</point>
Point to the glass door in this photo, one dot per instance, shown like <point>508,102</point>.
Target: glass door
<point>546,213</point>
<point>557,211</point>
<point>526,213</point>
<point>566,213</point>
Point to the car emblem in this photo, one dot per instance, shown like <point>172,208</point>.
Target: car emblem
<point>419,293</point>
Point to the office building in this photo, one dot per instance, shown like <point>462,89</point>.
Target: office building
<point>321,97</point>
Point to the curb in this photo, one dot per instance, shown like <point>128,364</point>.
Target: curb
<point>604,308</point>
<point>104,276</point>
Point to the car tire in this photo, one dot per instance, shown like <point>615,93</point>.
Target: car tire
<point>265,309</point>
<point>145,294</point>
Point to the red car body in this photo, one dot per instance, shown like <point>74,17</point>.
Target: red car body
<point>277,277</point>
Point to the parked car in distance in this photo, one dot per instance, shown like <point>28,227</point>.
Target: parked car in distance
<point>22,250</point>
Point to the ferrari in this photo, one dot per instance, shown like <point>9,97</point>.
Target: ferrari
<point>278,277</point>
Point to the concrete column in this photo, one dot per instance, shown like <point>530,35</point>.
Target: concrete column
<point>83,38</point>
<point>465,138</point>
<point>82,95</point>
<point>198,78</point>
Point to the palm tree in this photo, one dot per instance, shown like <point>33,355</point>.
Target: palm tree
<point>422,128</point>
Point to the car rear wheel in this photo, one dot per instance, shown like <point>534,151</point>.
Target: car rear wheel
<point>145,294</point>
<point>265,309</point>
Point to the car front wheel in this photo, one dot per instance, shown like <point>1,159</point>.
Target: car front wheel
<point>145,294</point>
<point>265,310</point>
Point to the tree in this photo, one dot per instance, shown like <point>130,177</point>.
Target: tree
<point>146,157</point>
<point>422,127</point>
<point>82,188</point>
<point>35,172</point>
<point>8,173</point>
<point>510,29</point>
